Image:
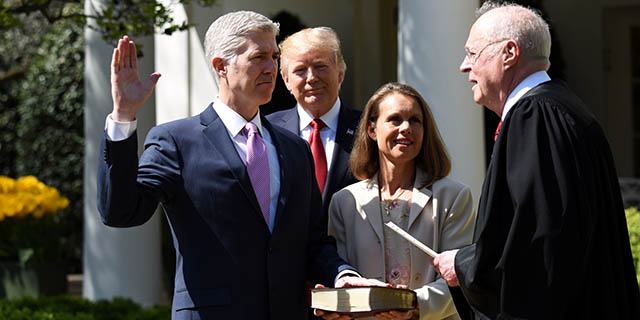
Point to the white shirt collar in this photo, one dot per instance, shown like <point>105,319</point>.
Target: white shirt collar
<point>232,120</point>
<point>330,118</point>
<point>523,87</point>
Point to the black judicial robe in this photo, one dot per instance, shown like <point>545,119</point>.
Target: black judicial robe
<point>551,239</point>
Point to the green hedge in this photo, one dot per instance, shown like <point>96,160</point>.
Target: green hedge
<point>42,119</point>
<point>633,224</point>
<point>69,308</point>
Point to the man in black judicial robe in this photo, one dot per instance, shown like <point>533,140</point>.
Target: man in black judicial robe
<point>551,240</point>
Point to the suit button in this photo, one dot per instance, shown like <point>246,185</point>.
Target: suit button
<point>417,277</point>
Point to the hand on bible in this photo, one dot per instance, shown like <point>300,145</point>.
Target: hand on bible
<point>397,315</point>
<point>349,281</point>
<point>127,91</point>
<point>445,266</point>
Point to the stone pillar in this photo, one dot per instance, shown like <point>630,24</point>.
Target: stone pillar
<point>117,262</point>
<point>431,38</point>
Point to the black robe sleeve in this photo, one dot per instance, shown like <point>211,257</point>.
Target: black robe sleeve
<point>551,240</point>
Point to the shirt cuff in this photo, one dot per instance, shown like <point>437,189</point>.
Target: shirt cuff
<point>117,131</point>
<point>344,273</point>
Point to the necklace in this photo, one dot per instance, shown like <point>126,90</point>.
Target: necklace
<point>391,203</point>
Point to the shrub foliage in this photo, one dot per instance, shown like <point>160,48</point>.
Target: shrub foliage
<point>633,224</point>
<point>69,308</point>
<point>44,112</point>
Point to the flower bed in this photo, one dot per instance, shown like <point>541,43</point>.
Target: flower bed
<point>31,262</point>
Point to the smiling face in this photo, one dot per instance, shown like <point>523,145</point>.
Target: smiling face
<point>314,79</point>
<point>398,130</point>
<point>248,82</point>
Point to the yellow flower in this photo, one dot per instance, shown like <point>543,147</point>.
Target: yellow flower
<point>7,184</point>
<point>28,196</point>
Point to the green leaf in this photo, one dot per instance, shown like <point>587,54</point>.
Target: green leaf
<point>25,255</point>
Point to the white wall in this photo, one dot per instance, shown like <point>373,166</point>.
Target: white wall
<point>431,38</point>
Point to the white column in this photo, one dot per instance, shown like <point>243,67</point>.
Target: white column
<point>431,38</point>
<point>117,262</point>
<point>187,85</point>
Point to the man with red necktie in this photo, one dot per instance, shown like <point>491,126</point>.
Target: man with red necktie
<point>313,69</point>
<point>551,239</point>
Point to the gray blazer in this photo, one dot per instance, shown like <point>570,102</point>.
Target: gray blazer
<point>441,216</point>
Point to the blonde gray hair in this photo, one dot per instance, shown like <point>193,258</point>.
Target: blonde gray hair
<point>227,34</point>
<point>309,39</point>
<point>523,25</point>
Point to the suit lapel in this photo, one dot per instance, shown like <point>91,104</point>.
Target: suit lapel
<point>420,198</point>
<point>369,206</point>
<point>347,125</point>
<point>290,120</point>
<point>285,170</point>
<point>215,131</point>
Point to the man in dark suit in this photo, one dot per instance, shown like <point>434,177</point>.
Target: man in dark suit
<point>313,69</point>
<point>240,194</point>
<point>551,240</point>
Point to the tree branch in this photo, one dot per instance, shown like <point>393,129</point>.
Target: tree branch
<point>15,71</point>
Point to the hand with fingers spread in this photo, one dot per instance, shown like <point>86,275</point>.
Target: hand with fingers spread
<point>127,91</point>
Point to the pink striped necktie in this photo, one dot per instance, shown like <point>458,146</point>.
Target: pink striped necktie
<point>258,167</point>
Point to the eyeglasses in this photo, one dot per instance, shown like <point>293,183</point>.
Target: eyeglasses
<point>473,57</point>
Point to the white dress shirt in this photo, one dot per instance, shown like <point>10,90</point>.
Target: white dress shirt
<point>234,123</point>
<point>523,87</point>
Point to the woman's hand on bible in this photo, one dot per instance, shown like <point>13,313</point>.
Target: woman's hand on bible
<point>398,315</point>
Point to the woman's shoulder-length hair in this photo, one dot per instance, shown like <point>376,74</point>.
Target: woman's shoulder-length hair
<point>433,158</point>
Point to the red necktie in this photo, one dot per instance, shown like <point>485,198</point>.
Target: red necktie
<point>497,131</point>
<point>317,149</point>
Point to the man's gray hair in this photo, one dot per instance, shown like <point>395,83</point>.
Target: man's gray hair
<point>227,33</point>
<point>523,25</point>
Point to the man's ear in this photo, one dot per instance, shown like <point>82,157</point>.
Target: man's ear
<point>219,67</point>
<point>511,54</point>
<point>340,78</point>
<point>285,78</point>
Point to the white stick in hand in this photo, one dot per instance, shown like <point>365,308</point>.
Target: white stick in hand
<point>411,239</point>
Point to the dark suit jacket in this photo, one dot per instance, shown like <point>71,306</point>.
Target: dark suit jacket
<point>229,266</point>
<point>339,175</point>
<point>551,239</point>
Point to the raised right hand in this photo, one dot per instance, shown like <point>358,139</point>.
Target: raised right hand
<point>127,91</point>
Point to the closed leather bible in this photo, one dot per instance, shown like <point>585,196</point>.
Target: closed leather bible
<point>362,301</point>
